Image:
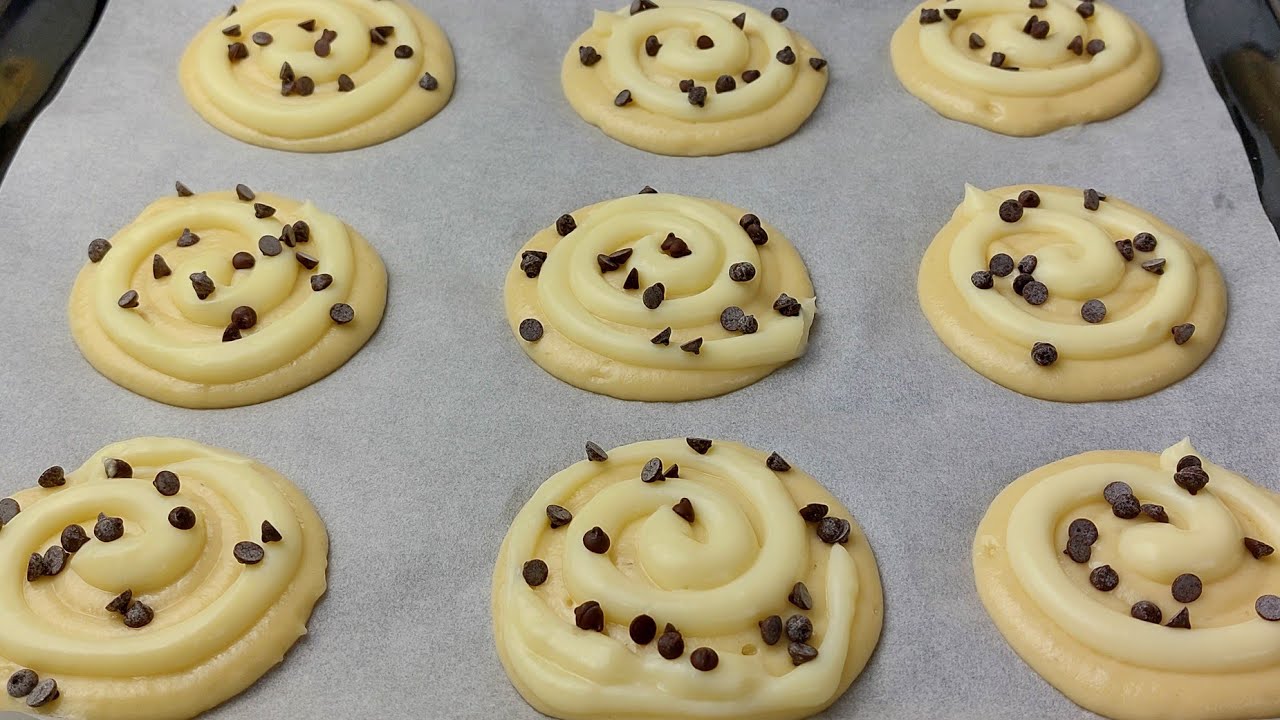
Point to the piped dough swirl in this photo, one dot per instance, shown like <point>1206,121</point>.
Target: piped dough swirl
<point>599,334</point>
<point>390,95</point>
<point>1085,641</point>
<point>218,624</point>
<point>714,579</point>
<point>1131,352</point>
<point>660,117</point>
<point>1058,82</point>
<point>170,347</point>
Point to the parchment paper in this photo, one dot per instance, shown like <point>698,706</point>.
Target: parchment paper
<point>421,449</point>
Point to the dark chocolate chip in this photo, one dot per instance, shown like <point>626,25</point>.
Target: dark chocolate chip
<point>1092,199</point>
<point>531,262</point>
<point>1126,249</point>
<point>231,334</point>
<point>342,313</point>
<point>1076,45</point>
<point>167,483</point>
<point>786,56</point>
<point>324,45</point>
<point>35,567</point>
<point>376,37</point>
<point>243,261</point>
<point>1268,607</point>
<point>775,463</point>
<point>1010,212</point>
<point>535,572</point>
<point>704,659</point>
<point>1257,548</point>
<point>731,318</point>
<point>654,295</point>
<point>982,280</point>
<point>742,272</point>
<point>237,51</point>
<point>652,471</point>
<point>1078,549</point>
<point>817,63</point>
<point>1114,492</point>
<point>1187,461</point>
<point>403,52</point>
<point>705,42</point>
<point>757,234</point>
<point>308,25</point>
<point>73,538</point>
<point>1104,578</point>
<point>1146,611</point>
<point>589,616</point>
<point>1155,512</point>
<point>800,597</point>
<point>248,553</point>
<point>771,630</point>
<point>1182,333</point>
<point>643,630</point>
<point>1181,621</point>
<point>262,38</point>
<point>675,247</point>
<point>121,602</point>
<point>698,96</point>
<point>1039,30</point>
<point>231,31</point>
<point>726,83</point>
<point>1001,264</point>
<point>953,13</point>
<point>108,529</point>
<point>1095,46</point>
<point>596,540</point>
<point>633,280</point>
<point>1028,264</point>
<point>244,317</point>
<point>1035,292</point>
<point>832,530</point>
<point>750,76</point>
<point>693,346</point>
<point>116,468</point>
<point>98,250</point>
<point>52,478</point>
<point>623,98</point>
<point>1187,588</point>
<point>1084,529</point>
<point>182,518</point>
<point>929,16</point>
<point>671,644</point>
<point>801,653</point>
<point>270,246</point>
<point>269,532</point>
<point>1029,199</point>
<point>321,281</point>
<point>813,512</point>
<point>9,509</point>
<point>787,306</point>
<point>997,60</point>
<point>306,260</point>
<point>740,20</point>
<point>558,517</point>
<point>1044,354</point>
<point>699,445</point>
<point>1085,9</point>
<point>345,83</point>
<point>262,210</point>
<point>652,46</point>
<point>1144,242</point>
<point>22,683</point>
<point>531,330</point>
<point>799,628</point>
<point>976,42</point>
<point>780,14</point>
<point>662,338</point>
<point>686,85</point>
<point>565,224</point>
<point>138,615</point>
<point>684,508</point>
<point>1093,311</point>
<point>642,5</point>
<point>1126,508</point>
<point>1192,478</point>
<point>202,284</point>
<point>44,693</point>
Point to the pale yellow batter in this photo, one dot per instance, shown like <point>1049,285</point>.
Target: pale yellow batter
<point>1085,641</point>
<point>660,117</point>
<point>1060,81</point>
<point>171,346</point>
<point>715,579</point>
<point>366,88</point>
<point>598,335</point>
<point>1131,352</point>
<point>218,624</point>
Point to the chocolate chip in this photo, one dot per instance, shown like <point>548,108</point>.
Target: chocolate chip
<point>116,468</point>
<point>832,530</point>
<point>596,540</point>
<point>1126,508</point>
<point>1078,549</point>
<point>1001,265</point>
<point>302,231</point>
<point>725,83</point>
<point>305,86</point>
<point>244,193</point>
<point>9,509</point>
<point>800,597</point>
<point>748,220</point>
<point>684,508</point>
<point>244,317</point>
<point>643,630</point>
<point>1187,588</point>
<point>623,98</point>
<point>740,20</point>
<point>121,602</point>
<point>129,300</point>
<point>642,5</point>
<point>1146,611</point>
<point>231,31</point>
<point>757,234</point>
<point>671,644</point>
<point>652,471</point>
<point>44,693</point>
<point>1027,264</point>
<point>182,518</point>
<point>698,96</point>
<point>342,313</point>
<point>799,628</point>
<point>652,46</point>
<point>780,14</point>
<point>558,516</point>
<point>1144,242</point>
<point>1093,311</point>
<point>775,463</point>
<point>306,260</point>
<point>704,659</point>
<point>1083,528</point>
<point>731,318</point>
<point>531,330</point>
<point>237,51</point>
<point>662,338</point>
<point>976,42</point>
<point>1104,578</point>
<point>771,629</point>
<point>686,85</point>
<point>982,280</point>
<point>1039,30</point>
<point>1187,461</point>
<point>997,60</point>
<point>262,38</point>
<point>953,13</point>
<point>535,572</point>
<point>1155,512</point>
<point>675,247</point>
<point>1116,491</point>
<point>1091,199</point>
<point>98,250</point>
<point>321,281</point>
<point>1044,354</point>
<point>1076,45</point>
<point>403,52</point>
<point>742,272</point>
<point>377,38</point>
<point>813,512</point>
<point>138,615</point>
<point>308,25</point>
<point>786,56</point>
<point>1181,621</point>
<point>159,268</point>
<point>202,284</point>
<point>248,553</point>
<point>1085,9</point>
<point>53,477</point>
<point>73,538</point>
<point>22,683</point>
<point>1010,212</point>
<point>108,529</point>
<point>531,262</point>
<point>705,42</point>
<point>243,261</point>
<point>565,224</point>
<point>323,46</point>
<point>654,295</point>
<point>1182,333</point>
<point>1257,548</point>
<point>929,16</point>
<point>787,306</point>
<point>1125,247</point>
<point>35,567</point>
<point>633,280</point>
<point>1035,292</point>
<point>345,83</point>
<point>1192,478</point>
<point>817,63</point>
<point>750,76</point>
<point>269,532</point>
<point>1095,46</point>
<point>801,653</point>
<point>1268,607</point>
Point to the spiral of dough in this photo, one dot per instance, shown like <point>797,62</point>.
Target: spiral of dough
<point>1086,641</point>
<point>698,41</point>
<point>218,624</point>
<point>982,62</point>
<point>1131,351</point>
<point>714,578</point>
<point>600,333</point>
<point>172,346</point>
<point>364,88</point>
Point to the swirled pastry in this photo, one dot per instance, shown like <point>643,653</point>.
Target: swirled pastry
<point>1022,68</point>
<point>226,298</point>
<point>660,297</point>
<point>162,578</point>
<point>693,77</point>
<point>318,75</point>
<point>684,578</point>
<point>1103,301</point>
<point>1139,585</point>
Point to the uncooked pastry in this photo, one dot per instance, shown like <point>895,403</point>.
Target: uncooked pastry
<point>333,74</point>
<point>749,85</point>
<point>1087,642</point>
<point>714,579</point>
<point>1132,351</point>
<point>596,333</point>
<point>989,66</point>
<point>216,625</point>
<point>182,350</point>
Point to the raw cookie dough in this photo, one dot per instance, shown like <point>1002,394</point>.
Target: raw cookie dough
<point>592,327</point>
<point>388,69</point>
<point>750,85</point>
<point>1220,661</point>
<point>1077,62</point>
<point>713,552</point>
<point>1169,294</point>
<point>200,625</point>
<point>182,350</point>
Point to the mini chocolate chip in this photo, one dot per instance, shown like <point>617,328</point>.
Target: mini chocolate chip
<point>1028,264</point>
<point>731,318</point>
<point>1029,199</point>
<point>1085,9</point>
<point>237,51</point>
<point>1146,611</point>
<point>1187,461</point>
<point>345,83</point>
<point>1044,354</point>
<point>166,482</point>
<point>705,42</point>
<point>704,659</point>
<point>262,210</point>
<point>159,268</point>
<point>308,25</point>
<point>1181,621</point>
<point>775,463</point>
<point>138,615</point>
<point>757,234</point>
<point>324,45</point>
<point>1155,512</point>
<point>623,98</point>
<point>813,512</point>
<point>740,20</point>
<point>321,281</point>
<point>244,193</point>
<point>1186,588</point>
<point>1000,265</point>
<point>652,471</point>
<point>675,247</point>
<point>780,14</point>
<point>742,272</point>
<point>531,330</point>
<point>801,653</point>
<point>35,567</point>
<point>699,445</point>
<point>116,468</point>
<point>1126,249</point>
<point>589,616</point>
<point>531,262</point>
<point>187,238</point>
<point>22,683</point>
<point>108,529</point>
<point>535,572</point>
<point>817,63</point>
<point>182,518</point>
<point>244,317</point>
<point>98,250</point>
<point>976,42</point>
<point>558,516</point>
<point>1078,549</point>
<point>9,509</point>
<point>748,220</point>
<point>726,83</point>
<point>1030,23</point>
<point>1257,548</point>
<point>1083,528</point>
<point>1182,333</point>
<point>662,338</point>
<point>671,644</point>
<point>202,284</point>
<point>652,46</point>
<point>1114,492</point>
<point>832,530</point>
<point>1035,292</point>
<point>243,261</point>
<point>403,52</point>
<point>262,38</point>
<point>73,538</point>
<point>596,540</point>
<point>750,76</point>
<point>686,85</point>
<point>928,16</point>
<point>654,295</point>
<point>306,260</point>
<point>44,693</point>
<point>342,313</point>
<point>1104,578</point>
<point>1126,508</point>
<point>302,231</point>
<point>1144,242</point>
<point>565,224</point>
<point>269,245</point>
<point>799,628</point>
<point>698,96</point>
<point>1039,30</point>
<point>1092,199</point>
<point>787,306</point>
<point>121,602</point>
<point>643,630</point>
<point>771,630</point>
<point>1076,45</point>
<point>684,508</point>
<point>248,553</point>
<point>1268,607</point>
<point>1010,212</point>
<point>1095,46</point>
<point>633,280</point>
<point>982,280</point>
<point>52,478</point>
<point>306,86</point>
<point>269,532</point>
<point>786,56</point>
<point>1192,478</point>
<point>1093,311</point>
